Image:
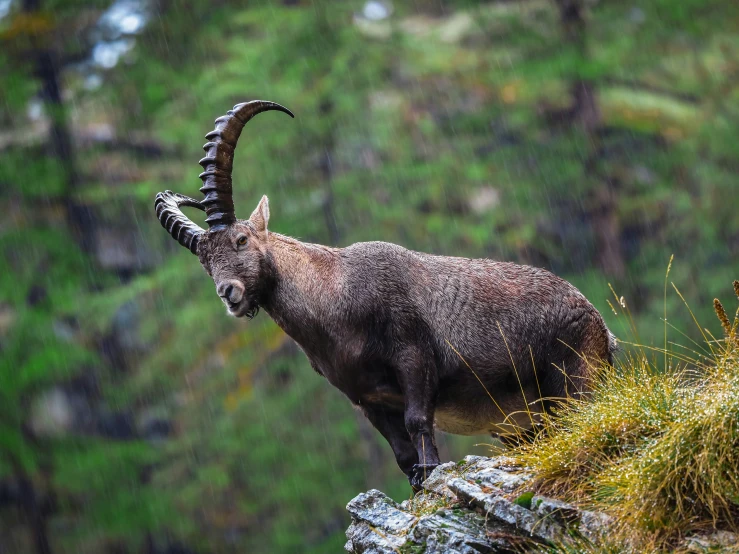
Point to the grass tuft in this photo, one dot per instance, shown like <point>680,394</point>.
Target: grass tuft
<point>722,317</point>
<point>656,448</point>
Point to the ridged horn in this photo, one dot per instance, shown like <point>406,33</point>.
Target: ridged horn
<point>167,205</point>
<point>218,161</point>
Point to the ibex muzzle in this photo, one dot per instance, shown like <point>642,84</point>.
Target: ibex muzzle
<point>413,340</point>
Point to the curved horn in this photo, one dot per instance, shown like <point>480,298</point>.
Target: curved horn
<point>218,161</point>
<point>167,205</point>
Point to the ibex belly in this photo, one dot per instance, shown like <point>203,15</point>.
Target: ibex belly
<point>481,415</point>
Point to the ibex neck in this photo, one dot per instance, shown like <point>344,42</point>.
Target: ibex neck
<point>307,282</point>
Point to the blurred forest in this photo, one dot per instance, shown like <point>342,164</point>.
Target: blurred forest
<point>591,137</point>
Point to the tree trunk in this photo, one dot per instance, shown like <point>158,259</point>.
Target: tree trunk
<point>608,232</point>
<point>33,513</point>
<point>329,215</point>
<point>327,172</point>
<point>585,112</point>
<point>79,217</point>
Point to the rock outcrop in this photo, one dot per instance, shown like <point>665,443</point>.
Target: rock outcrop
<point>483,505</point>
<point>476,506</point>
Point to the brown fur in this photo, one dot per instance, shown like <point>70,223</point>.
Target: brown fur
<point>414,339</point>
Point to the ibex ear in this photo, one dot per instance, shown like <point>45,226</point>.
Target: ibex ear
<point>260,216</point>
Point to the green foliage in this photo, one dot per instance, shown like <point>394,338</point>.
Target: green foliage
<point>452,133</point>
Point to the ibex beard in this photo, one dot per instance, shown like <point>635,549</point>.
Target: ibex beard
<point>415,341</point>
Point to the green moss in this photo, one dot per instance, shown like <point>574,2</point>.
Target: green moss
<point>410,547</point>
<point>524,500</point>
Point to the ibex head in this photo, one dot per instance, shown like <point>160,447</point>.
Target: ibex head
<point>232,251</point>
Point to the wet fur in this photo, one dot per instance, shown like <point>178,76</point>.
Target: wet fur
<point>414,339</point>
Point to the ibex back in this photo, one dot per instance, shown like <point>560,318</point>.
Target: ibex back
<point>413,340</point>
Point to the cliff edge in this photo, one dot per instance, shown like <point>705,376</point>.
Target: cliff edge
<point>481,505</point>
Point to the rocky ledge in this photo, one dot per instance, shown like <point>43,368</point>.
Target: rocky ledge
<point>476,505</point>
<point>479,505</point>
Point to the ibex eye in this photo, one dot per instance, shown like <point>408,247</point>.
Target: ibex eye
<point>241,241</point>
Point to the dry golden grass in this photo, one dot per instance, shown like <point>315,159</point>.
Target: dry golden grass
<point>657,449</point>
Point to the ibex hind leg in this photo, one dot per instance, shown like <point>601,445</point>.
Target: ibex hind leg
<point>596,351</point>
<point>573,369</point>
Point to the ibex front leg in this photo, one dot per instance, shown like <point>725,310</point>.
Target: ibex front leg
<point>419,382</point>
<point>391,425</point>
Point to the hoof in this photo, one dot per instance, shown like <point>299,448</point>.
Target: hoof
<point>419,473</point>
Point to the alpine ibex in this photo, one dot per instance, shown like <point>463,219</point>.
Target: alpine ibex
<point>414,340</point>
